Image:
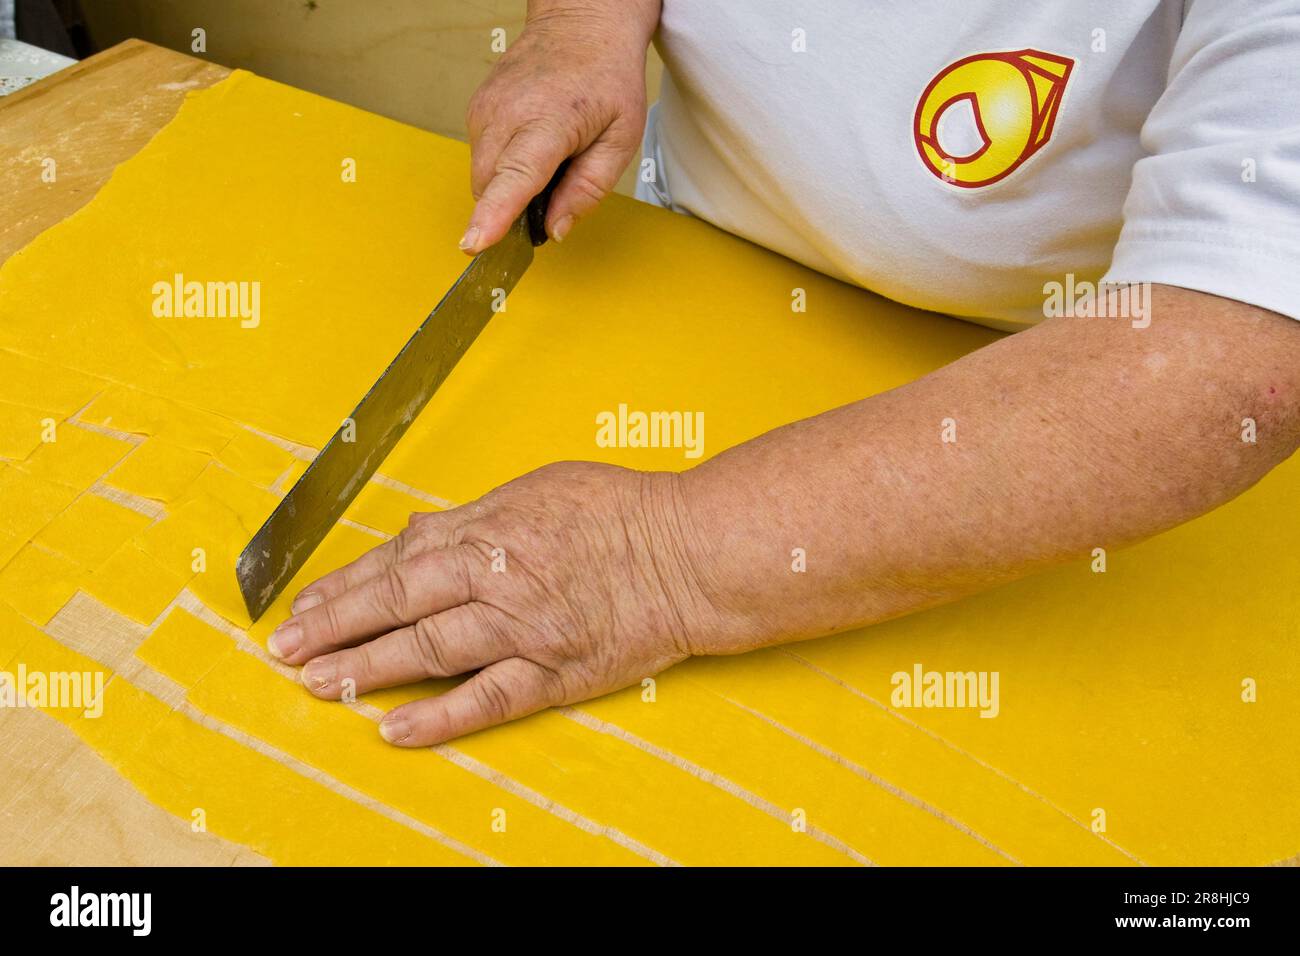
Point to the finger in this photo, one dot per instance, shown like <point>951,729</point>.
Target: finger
<point>369,565</point>
<point>407,591</point>
<point>591,176</point>
<point>523,168</point>
<point>420,535</point>
<point>454,642</point>
<point>484,151</point>
<point>507,690</point>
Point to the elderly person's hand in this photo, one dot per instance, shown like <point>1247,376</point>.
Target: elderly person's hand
<point>572,85</point>
<point>567,583</point>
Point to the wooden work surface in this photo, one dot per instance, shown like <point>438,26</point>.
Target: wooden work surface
<point>62,804</point>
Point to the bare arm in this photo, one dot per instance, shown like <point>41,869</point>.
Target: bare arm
<point>1079,433</point>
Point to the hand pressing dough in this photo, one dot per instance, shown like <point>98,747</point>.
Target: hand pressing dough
<point>594,773</point>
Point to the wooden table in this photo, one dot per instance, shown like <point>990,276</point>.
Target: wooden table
<point>62,804</point>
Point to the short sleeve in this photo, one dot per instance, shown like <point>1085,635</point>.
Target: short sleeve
<point>1215,206</point>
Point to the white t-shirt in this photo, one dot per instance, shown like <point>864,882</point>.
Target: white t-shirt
<point>958,155</point>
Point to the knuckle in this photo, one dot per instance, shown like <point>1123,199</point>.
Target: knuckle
<point>515,169</point>
<point>554,691</point>
<point>492,697</point>
<point>420,521</point>
<point>431,649</point>
<point>330,626</point>
<point>589,188</point>
<point>394,593</point>
<point>359,665</point>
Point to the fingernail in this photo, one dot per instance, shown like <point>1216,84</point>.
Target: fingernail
<point>318,674</point>
<point>561,228</point>
<point>305,601</point>
<point>470,239</point>
<point>394,729</point>
<point>285,639</point>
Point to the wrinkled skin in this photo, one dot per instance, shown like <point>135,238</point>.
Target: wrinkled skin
<point>568,87</point>
<point>564,584</point>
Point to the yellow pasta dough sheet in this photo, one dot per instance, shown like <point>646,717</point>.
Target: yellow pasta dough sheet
<point>235,687</point>
<point>1144,715</point>
<point>24,380</point>
<point>209,779</point>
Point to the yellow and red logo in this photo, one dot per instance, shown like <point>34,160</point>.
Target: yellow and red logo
<point>982,117</point>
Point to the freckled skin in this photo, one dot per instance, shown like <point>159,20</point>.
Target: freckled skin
<point>1067,441</point>
<point>572,85</point>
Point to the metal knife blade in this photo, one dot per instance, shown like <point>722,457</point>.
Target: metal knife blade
<point>319,498</point>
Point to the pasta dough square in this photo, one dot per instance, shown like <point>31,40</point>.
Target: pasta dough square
<point>28,503</point>
<point>184,648</point>
<point>254,458</point>
<point>133,583</point>
<point>159,470</point>
<point>385,509</point>
<point>78,457</point>
<point>38,582</point>
<point>91,529</point>
<point>22,428</point>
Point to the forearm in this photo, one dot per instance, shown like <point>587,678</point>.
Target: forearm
<point>1078,434</point>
